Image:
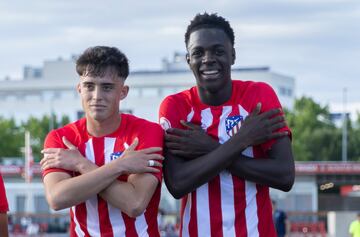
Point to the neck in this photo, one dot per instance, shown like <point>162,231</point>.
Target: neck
<point>215,98</point>
<point>102,128</point>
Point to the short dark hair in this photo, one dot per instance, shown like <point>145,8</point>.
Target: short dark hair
<point>96,60</point>
<point>206,20</point>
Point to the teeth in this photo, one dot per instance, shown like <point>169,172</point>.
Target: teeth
<point>210,72</point>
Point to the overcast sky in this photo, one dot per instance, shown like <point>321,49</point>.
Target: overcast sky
<point>315,41</point>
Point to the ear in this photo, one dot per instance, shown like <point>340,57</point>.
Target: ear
<point>187,58</point>
<point>78,88</point>
<point>233,55</point>
<point>124,92</point>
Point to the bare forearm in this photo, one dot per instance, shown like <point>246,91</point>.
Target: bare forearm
<point>277,171</point>
<point>184,176</point>
<point>262,171</point>
<point>122,195</point>
<point>69,192</point>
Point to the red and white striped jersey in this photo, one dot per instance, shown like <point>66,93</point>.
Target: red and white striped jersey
<point>4,207</point>
<point>96,217</point>
<point>225,206</point>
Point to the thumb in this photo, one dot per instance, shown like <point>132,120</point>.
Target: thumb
<point>190,125</point>
<point>133,145</point>
<point>68,144</point>
<point>257,109</point>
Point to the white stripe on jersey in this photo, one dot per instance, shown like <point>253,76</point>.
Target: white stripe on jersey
<point>116,219</point>
<point>206,118</point>
<point>227,203</point>
<point>78,230</point>
<point>186,216</point>
<point>203,210</point>
<point>226,182</point>
<point>190,115</point>
<point>92,214</point>
<point>141,226</point>
<point>252,219</point>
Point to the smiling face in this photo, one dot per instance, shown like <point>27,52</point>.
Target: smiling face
<point>210,56</point>
<point>101,95</point>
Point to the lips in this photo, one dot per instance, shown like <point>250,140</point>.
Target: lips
<point>210,74</point>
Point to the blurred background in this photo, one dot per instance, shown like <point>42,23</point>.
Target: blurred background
<point>308,51</point>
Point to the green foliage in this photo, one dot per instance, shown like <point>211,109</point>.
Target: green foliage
<point>315,136</point>
<point>12,137</point>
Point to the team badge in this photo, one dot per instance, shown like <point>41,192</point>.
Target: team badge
<point>233,124</point>
<point>115,155</point>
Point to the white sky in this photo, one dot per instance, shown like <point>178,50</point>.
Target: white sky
<point>316,41</point>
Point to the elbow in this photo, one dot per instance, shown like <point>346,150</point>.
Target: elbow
<point>136,209</point>
<point>287,182</point>
<point>55,202</point>
<point>174,189</point>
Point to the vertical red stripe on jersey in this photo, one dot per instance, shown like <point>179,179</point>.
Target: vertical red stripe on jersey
<point>103,211</point>
<point>193,228</point>
<point>182,211</point>
<point>215,207</point>
<point>239,206</point>
<point>130,230</point>
<point>80,213</point>
<point>151,220</point>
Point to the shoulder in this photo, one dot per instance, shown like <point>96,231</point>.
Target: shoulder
<point>140,123</point>
<point>182,97</point>
<point>252,86</point>
<point>70,131</point>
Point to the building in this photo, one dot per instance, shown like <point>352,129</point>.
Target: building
<point>51,89</point>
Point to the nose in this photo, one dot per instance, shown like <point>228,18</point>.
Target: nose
<point>97,93</point>
<point>208,57</point>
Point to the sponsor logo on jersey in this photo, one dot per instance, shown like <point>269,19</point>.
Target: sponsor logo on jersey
<point>233,124</point>
<point>115,155</point>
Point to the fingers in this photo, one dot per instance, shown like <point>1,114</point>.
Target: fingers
<point>172,138</point>
<point>50,150</point>
<point>68,144</point>
<point>276,135</point>
<point>270,113</point>
<point>178,132</point>
<point>133,145</point>
<point>190,125</point>
<point>257,109</point>
<point>277,126</point>
<point>150,150</point>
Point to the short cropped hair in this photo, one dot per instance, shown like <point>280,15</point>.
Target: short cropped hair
<point>206,20</point>
<point>95,61</point>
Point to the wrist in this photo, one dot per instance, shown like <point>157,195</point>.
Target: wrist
<point>84,165</point>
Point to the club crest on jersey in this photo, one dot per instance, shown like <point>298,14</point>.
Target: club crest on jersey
<point>115,155</point>
<point>233,124</point>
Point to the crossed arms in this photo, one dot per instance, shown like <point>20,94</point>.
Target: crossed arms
<point>132,197</point>
<point>194,158</point>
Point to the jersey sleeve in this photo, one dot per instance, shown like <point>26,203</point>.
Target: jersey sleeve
<point>152,136</point>
<point>169,114</point>
<point>4,207</point>
<point>269,100</point>
<point>53,140</point>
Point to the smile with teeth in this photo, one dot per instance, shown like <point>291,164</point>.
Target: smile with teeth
<point>210,72</point>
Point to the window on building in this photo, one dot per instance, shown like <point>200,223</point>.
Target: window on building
<point>20,203</point>
<point>41,205</point>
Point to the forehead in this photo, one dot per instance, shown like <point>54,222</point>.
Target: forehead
<point>208,37</point>
<point>109,76</point>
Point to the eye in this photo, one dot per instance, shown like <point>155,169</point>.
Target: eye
<point>89,86</point>
<point>107,87</point>
<point>196,53</point>
<point>219,51</point>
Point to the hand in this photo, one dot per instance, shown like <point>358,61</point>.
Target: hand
<point>67,159</point>
<point>190,143</point>
<point>132,161</point>
<point>258,128</point>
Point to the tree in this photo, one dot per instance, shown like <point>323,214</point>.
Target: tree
<point>315,136</point>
